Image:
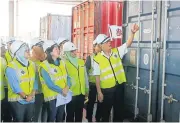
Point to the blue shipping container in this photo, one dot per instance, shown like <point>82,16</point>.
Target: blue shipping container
<point>144,62</point>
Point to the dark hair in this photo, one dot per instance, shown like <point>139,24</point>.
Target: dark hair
<point>49,56</point>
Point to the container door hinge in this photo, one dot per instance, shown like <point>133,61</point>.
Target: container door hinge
<point>136,111</point>
<point>125,25</point>
<point>159,45</point>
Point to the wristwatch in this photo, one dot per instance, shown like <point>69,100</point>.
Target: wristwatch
<point>25,97</point>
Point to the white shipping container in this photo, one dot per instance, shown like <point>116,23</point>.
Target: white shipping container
<point>54,26</point>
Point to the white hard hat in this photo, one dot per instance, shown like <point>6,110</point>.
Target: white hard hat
<point>15,46</point>
<point>60,40</point>
<point>11,40</point>
<point>102,38</point>
<point>2,44</point>
<point>69,46</point>
<point>47,44</point>
<point>94,42</point>
<point>36,41</point>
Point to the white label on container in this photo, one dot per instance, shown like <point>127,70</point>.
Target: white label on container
<point>146,59</point>
<point>147,30</point>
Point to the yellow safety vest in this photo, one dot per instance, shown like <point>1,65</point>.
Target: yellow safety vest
<point>26,76</point>
<point>2,66</point>
<point>58,75</point>
<point>37,64</point>
<point>8,56</point>
<point>92,78</point>
<point>77,77</point>
<point>111,69</point>
<point>8,59</point>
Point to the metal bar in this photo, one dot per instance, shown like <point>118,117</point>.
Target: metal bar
<point>88,10</point>
<point>151,61</point>
<point>82,29</point>
<point>136,112</point>
<point>164,59</point>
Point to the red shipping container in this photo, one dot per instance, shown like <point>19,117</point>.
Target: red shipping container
<point>91,19</point>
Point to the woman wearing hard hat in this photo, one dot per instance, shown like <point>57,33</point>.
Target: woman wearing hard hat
<point>2,81</point>
<point>92,84</point>
<point>38,56</point>
<point>22,83</point>
<point>54,80</point>
<point>79,81</point>
<point>110,76</point>
<point>61,42</point>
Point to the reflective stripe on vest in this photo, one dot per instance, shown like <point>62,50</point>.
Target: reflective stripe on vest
<point>58,75</point>
<point>56,79</point>
<point>50,98</point>
<point>112,75</point>
<point>15,99</point>
<point>111,70</point>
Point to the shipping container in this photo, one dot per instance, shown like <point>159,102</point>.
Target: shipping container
<point>91,19</point>
<point>54,26</point>
<point>153,75</point>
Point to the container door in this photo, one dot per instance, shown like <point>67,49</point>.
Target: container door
<point>60,27</point>
<point>54,30</point>
<point>44,27</point>
<point>141,62</point>
<point>169,83</point>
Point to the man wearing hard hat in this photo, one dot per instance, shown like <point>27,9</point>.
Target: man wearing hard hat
<point>60,42</point>
<point>92,83</point>
<point>110,76</point>
<point>22,83</point>
<point>79,80</point>
<point>38,56</point>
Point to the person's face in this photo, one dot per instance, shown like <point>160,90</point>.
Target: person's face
<point>9,45</point>
<point>55,52</point>
<point>27,53</point>
<point>106,46</point>
<point>74,53</point>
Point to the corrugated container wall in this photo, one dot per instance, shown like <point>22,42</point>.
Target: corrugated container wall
<point>152,64</point>
<point>91,19</point>
<point>54,26</point>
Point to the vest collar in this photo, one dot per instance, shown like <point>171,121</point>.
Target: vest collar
<point>22,63</point>
<point>102,53</point>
